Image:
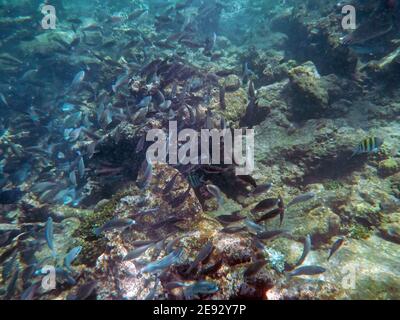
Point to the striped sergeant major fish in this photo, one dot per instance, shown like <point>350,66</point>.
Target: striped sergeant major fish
<point>368,145</point>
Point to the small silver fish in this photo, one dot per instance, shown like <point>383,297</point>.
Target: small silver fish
<point>306,250</point>
<point>164,263</point>
<point>216,192</point>
<point>114,224</point>
<point>123,79</point>
<point>3,99</point>
<point>79,77</point>
<point>81,167</point>
<point>301,198</point>
<point>137,252</point>
<point>72,178</point>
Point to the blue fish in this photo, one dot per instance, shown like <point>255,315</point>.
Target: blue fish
<point>163,263</point>
<point>201,287</point>
<point>71,256</point>
<point>49,235</point>
<point>78,79</point>
<point>144,102</point>
<point>67,107</point>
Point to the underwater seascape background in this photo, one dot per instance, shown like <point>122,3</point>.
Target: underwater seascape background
<point>319,218</point>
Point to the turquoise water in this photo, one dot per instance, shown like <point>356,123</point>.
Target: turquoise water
<point>86,85</point>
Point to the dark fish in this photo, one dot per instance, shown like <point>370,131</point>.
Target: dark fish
<point>28,273</point>
<point>29,293</point>
<point>9,266</point>
<point>230,218</point>
<point>10,196</point>
<point>248,179</point>
<point>75,42</point>
<point>265,205</point>
<point>12,285</point>
<point>4,237</point>
<point>170,246</point>
<point>211,269</point>
<point>368,145</point>
<point>166,222</point>
<point>114,224</point>
<point>307,271</point>
<point>191,44</point>
<point>261,189</point>
<point>137,252</point>
<point>306,250</point>
<point>201,287</point>
<point>140,145</point>
<point>8,253</point>
<point>170,184</point>
<point>270,215</point>
<point>204,253</point>
<point>266,235</point>
<point>151,68</point>
<point>335,247</point>
<point>84,291</point>
<point>281,206</point>
<point>141,243</point>
<point>235,229</point>
<point>254,268</point>
<point>301,198</point>
<point>222,102</point>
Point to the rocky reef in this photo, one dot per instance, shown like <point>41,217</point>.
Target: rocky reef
<point>73,153</point>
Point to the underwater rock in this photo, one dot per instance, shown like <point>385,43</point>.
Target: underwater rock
<point>389,166</point>
<point>310,32</point>
<point>47,44</point>
<point>236,103</point>
<point>308,88</point>
<point>320,223</point>
<point>232,83</point>
<point>390,228</point>
<point>272,99</point>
